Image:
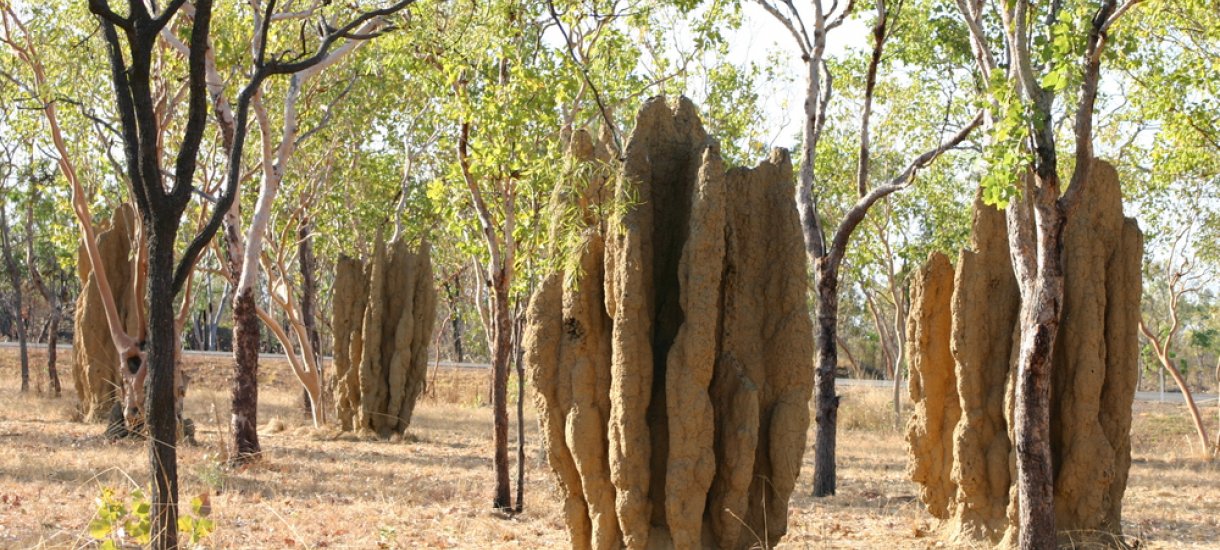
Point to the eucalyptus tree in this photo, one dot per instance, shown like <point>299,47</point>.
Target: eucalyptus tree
<point>895,242</point>
<point>161,209</point>
<point>925,61</point>
<point>1183,278</point>
<point>1043,51</point>
<point>36,209</point>
<point>827,252</point>
<point>1166,138</point>
<point>335,42</point>
<point>80,140</point>
<point>277,152</point>
<point>509,95</point>
<point>506,123</point>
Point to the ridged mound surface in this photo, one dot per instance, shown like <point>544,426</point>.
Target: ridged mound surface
<point>1094,374</point>
<point>382,320</point>
<point>674,367</point>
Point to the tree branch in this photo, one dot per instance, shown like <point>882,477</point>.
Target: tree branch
<point>904,179</point>
<point>1088,99</point>
<point>277,67</point>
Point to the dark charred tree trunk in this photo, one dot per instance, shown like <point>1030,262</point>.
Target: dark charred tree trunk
<point>519,359</point>
<point>501,357</point>
<point>453,291</point>
<point>826,401</point>
<point>309,292</point>
<point>14,276</point>
<point>161,418</point>
<point>52,350</point>
<point>458,353</point>
<point>246,335</point>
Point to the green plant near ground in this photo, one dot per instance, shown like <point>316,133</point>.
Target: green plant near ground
<point>211,471</point>
<point>120,520</point>
<point>196,525</point>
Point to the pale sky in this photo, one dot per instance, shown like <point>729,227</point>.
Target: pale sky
<point>759,35</point>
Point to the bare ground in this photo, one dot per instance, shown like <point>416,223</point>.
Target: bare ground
<point>320,489</point>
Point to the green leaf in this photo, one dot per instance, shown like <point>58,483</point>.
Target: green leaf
<point>99,528</point>
<point>1051,81</point>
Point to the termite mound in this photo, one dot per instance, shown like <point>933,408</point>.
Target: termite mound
<point>95,369</point>
<point>383,314</point>
<point>961,435</point>
<point>672,356</point>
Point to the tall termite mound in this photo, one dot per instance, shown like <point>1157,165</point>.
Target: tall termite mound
<point>383,315</point>
<point>673,357</point>
<point>961,436</point>
<point>95,370</point>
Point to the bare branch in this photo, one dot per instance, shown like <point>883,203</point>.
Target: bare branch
<point>904,179</point>
<point>1119,13</point>
<point>802,41</point>
<point>276,67</point>
<point>847,10</point>
<point>584,71</point>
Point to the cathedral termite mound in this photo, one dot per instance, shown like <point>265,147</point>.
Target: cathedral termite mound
<point>95,369</point>
<point>961,436</point>
<point>383,315</point>
<point>672,357</point>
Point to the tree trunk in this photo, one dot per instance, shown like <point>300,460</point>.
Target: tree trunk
<point>1041,306</point>
<point>856,371</point>
<point>308,299</point>
<point>826,402</point>
<point>214,320</point>
<point>900,319</point>
<point>518,358</point>
<point>160,410</point>
<point>453,291</point>
<point>1032,419</point>
<point>1195,415</point>
<point>52,342</point>
<point>246,336</point>
<point>21,336</point>
<point>14,275</point>
<point>501,355</point>
<point>898,396</point>
<point>806,202</point>
<point>458,353</point>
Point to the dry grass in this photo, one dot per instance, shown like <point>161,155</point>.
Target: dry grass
<point>318,489</point>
